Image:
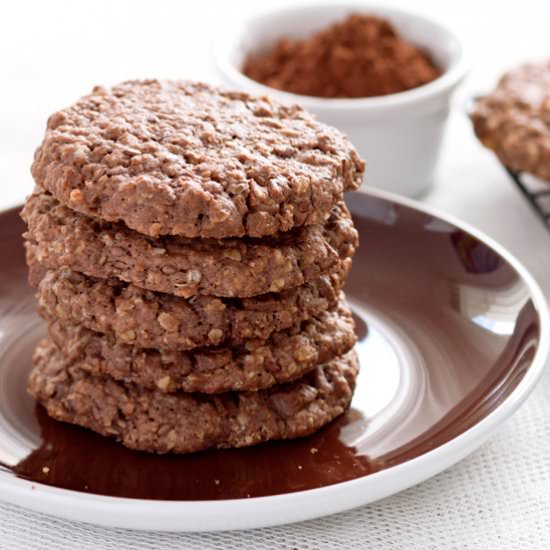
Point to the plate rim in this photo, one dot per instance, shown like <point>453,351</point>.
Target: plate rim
<point>268,511</point>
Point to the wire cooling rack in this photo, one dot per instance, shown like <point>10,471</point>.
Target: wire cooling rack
<point>536,192</point>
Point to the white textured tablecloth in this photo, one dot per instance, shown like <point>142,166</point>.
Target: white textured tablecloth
<point>499,497</point>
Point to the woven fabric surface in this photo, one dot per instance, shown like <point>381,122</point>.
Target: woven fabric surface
<point>498,498</point>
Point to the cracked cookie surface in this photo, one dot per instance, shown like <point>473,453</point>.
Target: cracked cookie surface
<point>185,158</point>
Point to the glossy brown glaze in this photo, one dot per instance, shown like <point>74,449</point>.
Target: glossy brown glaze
<point>460,315</point>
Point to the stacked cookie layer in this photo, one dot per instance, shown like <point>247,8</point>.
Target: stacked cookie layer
<point>189,246</point>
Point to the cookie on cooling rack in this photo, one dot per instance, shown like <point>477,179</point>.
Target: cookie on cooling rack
<point>514,120</point>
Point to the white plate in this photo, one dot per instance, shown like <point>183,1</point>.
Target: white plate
<point>458,337</point>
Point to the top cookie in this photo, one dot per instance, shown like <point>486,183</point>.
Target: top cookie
<point>185,158</point>
<point>514,120</point>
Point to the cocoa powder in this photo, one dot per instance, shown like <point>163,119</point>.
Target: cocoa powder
<point>362,56</point>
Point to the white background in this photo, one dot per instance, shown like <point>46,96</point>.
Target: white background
<point>52,52</point>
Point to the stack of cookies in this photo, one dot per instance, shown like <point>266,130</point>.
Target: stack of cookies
<point>189,246</point>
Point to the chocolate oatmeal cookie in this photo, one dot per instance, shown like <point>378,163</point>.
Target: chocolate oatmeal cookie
<point>153,421</point>
<point>514,120</point>
<point>58,236</point>
<point>257,364</point>
<point>189,159</point>
<point>153,320</point>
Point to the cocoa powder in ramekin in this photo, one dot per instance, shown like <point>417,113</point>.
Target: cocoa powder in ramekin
<point>362,56</point>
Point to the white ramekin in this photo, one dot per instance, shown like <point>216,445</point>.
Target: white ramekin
<point>399,135</point>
